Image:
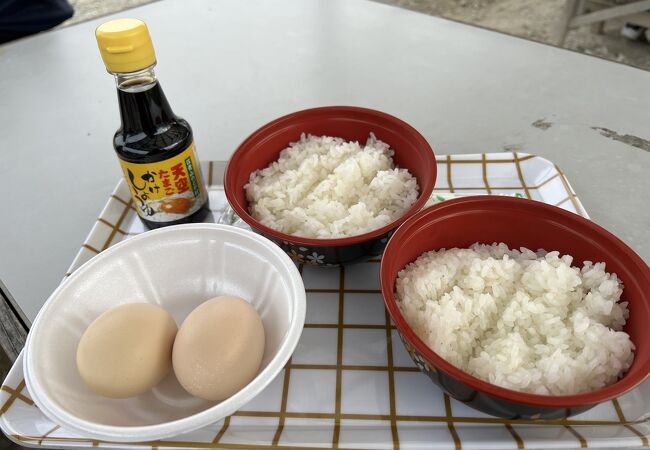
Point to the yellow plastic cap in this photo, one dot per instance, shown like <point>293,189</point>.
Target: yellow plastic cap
<point>125,45</point>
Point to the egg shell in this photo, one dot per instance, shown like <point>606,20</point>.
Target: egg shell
<point>127,350</point>
<point>219,348</point>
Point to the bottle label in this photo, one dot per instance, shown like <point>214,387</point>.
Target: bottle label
<point>167,190</point>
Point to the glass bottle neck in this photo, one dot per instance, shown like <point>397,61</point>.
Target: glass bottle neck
<point>143,105</point>
<point>136,81</point>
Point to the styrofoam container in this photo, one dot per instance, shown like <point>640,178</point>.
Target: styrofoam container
<point>177,268</point>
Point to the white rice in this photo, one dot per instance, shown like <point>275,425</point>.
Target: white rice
<point>325,187</point>
<point>518,319</point>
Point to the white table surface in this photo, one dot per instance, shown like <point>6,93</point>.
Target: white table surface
<point>229,66</point>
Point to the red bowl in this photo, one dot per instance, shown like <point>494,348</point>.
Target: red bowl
<point>518,223</point>
<point>412,152</point>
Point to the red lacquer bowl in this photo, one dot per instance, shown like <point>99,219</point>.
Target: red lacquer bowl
<point>412,152</point>
<point>518,223</point>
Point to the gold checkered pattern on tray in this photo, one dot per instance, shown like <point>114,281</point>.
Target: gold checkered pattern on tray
<point>350,382</point>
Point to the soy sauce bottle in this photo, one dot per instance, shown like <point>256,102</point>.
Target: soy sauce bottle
<point>155,147</point>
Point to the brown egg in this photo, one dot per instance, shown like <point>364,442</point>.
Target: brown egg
<point>218,348</point>
<point>127,350</point>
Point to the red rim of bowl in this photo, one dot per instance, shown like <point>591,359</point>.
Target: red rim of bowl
<point>610,392</point>
<point>271,127</point>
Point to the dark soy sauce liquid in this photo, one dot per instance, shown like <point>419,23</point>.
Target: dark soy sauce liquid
<point>151,132</point>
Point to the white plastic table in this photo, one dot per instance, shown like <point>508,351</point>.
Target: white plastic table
<point>229,66</point>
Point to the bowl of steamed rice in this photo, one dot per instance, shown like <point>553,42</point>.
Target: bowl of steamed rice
<point>329,185</point>
<point>519,309</point>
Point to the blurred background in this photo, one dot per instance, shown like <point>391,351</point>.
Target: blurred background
<point>538,20</point>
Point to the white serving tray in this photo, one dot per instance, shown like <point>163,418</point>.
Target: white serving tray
<point>350,383</point>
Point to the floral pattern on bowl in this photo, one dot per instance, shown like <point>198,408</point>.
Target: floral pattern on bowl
<point>322,256</point>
